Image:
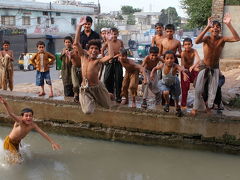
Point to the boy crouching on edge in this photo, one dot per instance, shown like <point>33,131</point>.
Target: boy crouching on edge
<point>22,126</point>
<point>130,80</point>
<point>42,61</point>
<point>169,84</point>
<point>92,90</point>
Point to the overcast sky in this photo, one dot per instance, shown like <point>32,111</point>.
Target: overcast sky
<point>146,5</point>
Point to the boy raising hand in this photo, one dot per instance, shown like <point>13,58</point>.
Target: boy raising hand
<point>22,126</point>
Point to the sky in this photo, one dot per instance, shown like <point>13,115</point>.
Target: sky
<point>146,5</point>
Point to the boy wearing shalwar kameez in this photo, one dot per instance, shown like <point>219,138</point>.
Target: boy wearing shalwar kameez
<point>6,67</point>
<point>210,73</point>
<point>92,89</point>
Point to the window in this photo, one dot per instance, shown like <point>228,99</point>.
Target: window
<point>52,20</point>
<point>58,14</point>
<point>73,21</point>
<point>38,20</point>
<point>45,13</point>
<point>26,20</point>
<point>8,20</point>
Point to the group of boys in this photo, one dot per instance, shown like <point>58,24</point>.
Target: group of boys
<point>161,57</point>
<point>84,66</point>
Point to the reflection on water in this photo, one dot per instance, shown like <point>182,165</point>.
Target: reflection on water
<point>87,159</point>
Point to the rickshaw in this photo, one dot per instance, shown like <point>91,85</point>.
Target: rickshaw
<point>143,49</point>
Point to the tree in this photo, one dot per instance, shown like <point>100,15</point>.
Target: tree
<point>198,12</point>
<point>170,16</point>
<point>126,10</point>
<point>103,24</point>
<point>131,19</point>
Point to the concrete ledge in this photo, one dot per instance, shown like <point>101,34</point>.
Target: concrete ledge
<point>151,127</point>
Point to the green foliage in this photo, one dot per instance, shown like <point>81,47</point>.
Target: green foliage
<point>120,17</point>
<point>170,16</point>
<point>131,19</point>
<point>127,10</point>
<point>235,102</point>
<point>198,12</point>
<point>103,24</point>
<point>232,2</point>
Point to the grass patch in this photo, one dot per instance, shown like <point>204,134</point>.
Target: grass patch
<point>235,102</point>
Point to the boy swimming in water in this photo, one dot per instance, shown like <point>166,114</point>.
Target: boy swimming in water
<point>22,126</point>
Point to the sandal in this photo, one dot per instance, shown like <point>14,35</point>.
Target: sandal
<point>179,112</point>
<point>166,108</point>
<point>144,103</point>
<point>76,99</point>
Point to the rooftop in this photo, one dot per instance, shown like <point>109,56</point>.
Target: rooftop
<point>40,6</point>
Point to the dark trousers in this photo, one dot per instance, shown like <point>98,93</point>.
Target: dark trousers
<point>113,77</point>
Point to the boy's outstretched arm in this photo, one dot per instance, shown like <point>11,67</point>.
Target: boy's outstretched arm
<point>235,37</point>
<point>110,52</point>
<point>158,67</point>
<point>10,113</point>
<point>55,146</point>
<point>200,37</point>
<point>181,69</point>
<point>77,36</point>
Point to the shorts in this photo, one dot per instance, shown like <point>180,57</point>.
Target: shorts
<point>41,76</point>
<point>174,89</point>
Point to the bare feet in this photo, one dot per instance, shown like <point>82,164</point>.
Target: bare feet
<point>41,94</point>
<point>208,111</point>
<point>111,96</point>
<point>133,104</point>
<point>50,95</point>
<point>193,112</point>
<point>124,102</point>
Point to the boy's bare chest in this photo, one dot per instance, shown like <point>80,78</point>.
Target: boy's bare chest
<point>170,45</point>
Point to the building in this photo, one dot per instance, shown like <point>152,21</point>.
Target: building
<point>43,21</point>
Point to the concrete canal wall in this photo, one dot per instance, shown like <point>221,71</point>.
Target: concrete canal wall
<point>150,127</point>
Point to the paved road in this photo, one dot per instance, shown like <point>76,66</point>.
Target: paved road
<point>29,76</point>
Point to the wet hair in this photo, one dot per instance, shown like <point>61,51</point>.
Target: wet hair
<point>6,42</point>
<point>94,42</point>
<point>154,49</point>
<point>123,52</point>
<point>89,19</point>
<point>169,52</point>
<point>40,43</point>
<point>170,26</point>
<point>216,23</point>
<point>114,29</point>
<point>26,110</point>
<point>158,24</point>
<point>68,38</point>
<point>187,40</point>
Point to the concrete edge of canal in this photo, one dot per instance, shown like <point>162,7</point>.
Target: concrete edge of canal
<point>217,133</point>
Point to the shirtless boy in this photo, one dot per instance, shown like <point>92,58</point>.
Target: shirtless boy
<point>92,90</point>
<point>6,67</point>
<point>187,61</point>
<point>113,76</point>
<point>170,43</point>
<point>209,75</point>
<point>22,126</point>
<point>157,39</point>
<point>130,80</point>
<point>148,64</point>
<point>169,84</point>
